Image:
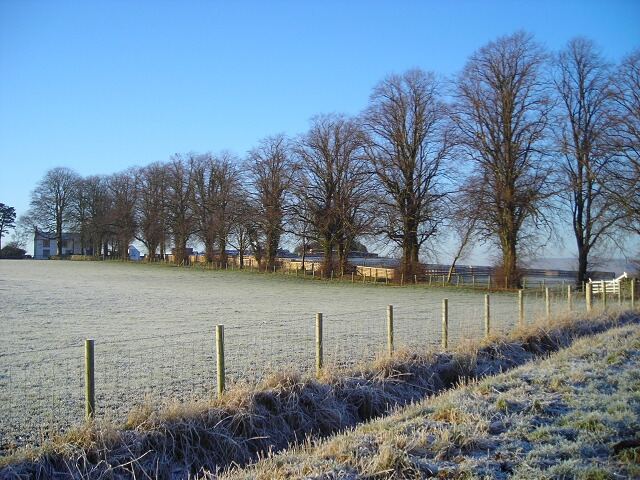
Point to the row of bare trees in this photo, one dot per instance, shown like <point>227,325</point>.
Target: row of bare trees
<point>503,151</point>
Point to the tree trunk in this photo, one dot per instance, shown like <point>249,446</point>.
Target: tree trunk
<point>510,264</point>
<point>583,264</point>
<point>59,236</point>
<point>327,261</point>
<point>222,250</point>
<point>151,251</point>
<point>180,253</point>
<point>208,251</point>
<point>344,250</point>
<point>273,240</point>
<point>410,248</point>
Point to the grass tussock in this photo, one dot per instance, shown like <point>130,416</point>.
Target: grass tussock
<point>248,422</point>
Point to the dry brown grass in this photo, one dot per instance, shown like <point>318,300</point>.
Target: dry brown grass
<point>250,421</point>
<point>510,426</point>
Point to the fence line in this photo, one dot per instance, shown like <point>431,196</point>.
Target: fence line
<point>41,391</point>
<point>478,277</point>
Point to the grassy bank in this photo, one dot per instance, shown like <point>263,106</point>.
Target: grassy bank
<point>195,439</point>
<point>573,415</point>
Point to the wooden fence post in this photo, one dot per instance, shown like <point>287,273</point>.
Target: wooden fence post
<point>569,299</point>
<point>589,296</point>
<point>521,307</point>
<point>620,294</point>
<point>604,294</point>
<point>445,323</point>
<point>547,299</point>
<point>220,357</point>
<point>390,329</point>
<point>319,350</point>
<point>489,282</point>
<point>90,385</point>
<point>487,315</point>
<point>633,294</point>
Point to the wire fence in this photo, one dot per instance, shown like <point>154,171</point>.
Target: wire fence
<point>42,391</point>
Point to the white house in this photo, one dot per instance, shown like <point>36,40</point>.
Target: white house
<point>45,245</point>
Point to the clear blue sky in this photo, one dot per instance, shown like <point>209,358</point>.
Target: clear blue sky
<point>100,86</point>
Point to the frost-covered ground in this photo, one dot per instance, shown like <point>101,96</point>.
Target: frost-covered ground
<point>154,331</point>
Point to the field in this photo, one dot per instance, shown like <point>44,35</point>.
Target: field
<point>154,328</point>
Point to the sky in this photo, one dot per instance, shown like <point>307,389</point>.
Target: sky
<point>102,86</point>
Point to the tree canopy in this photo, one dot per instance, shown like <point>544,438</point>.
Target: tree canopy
<point>7,220</point>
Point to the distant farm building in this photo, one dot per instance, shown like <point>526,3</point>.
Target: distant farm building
<point>134,253</point>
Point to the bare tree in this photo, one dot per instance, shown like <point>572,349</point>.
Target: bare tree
<point>409,143</point>
<point>501,114</point>
<point>24,230</point>
<point>216,187</point>
<point>299,221</point>
<point>623,176</point>
<point>80,215</point>
<point>98,212</point>
<point>463,227</point>
<point>582,80</point>
<point>333,183</point>
<point>123,190</point>
<point>244,228</point>
<point>271,172</point>
<point>180,217</point>
<point>228,196</point>
<point>51,201</point>
<point>206,186</point>
<point>151,208</point>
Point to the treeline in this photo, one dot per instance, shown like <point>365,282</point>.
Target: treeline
<point>517,139</point>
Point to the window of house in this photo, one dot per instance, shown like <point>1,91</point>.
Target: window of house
<point>46,243</point>
<point>46,253</point>
<point>64,244</point>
